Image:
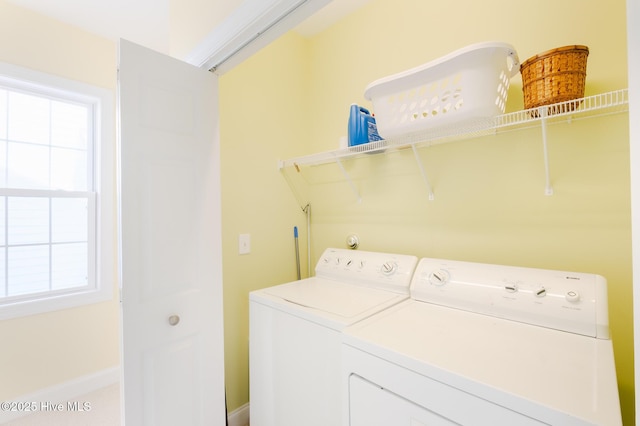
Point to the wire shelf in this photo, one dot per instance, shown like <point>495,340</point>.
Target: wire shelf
<point>602,104</point>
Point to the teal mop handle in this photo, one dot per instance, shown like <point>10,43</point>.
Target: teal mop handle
<point>295,238</point>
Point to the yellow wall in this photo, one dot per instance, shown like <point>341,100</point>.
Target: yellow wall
<point>490,204</point>
<point>261,103</point>
<point>192,20</point>
<point>48,349</point>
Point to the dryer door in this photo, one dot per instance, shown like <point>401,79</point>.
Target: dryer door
<point>371,405</point>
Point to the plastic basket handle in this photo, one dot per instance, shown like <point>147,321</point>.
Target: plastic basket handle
<point>513,56</point>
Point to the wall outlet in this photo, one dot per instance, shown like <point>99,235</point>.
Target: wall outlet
<point>244,244</point>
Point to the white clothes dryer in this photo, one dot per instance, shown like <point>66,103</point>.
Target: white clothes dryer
<point>482,344</point>
<point>295,333</point>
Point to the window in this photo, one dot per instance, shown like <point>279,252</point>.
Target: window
<point>56,200</point>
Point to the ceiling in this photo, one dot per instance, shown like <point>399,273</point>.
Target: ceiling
<point>146,22</point>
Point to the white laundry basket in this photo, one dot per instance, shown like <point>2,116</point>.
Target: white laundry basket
<point>467,84</point>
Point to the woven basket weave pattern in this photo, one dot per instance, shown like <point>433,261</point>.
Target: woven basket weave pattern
<point>555,76</point>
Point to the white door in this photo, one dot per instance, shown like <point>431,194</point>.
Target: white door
<point>170,241</point>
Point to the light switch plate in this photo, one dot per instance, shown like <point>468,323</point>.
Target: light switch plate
<point>244,244</point>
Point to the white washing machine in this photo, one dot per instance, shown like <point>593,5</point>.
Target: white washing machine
<point>482,344</point>
<point>295,333</point>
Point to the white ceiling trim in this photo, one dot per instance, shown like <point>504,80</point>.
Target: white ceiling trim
<point>249,28</point>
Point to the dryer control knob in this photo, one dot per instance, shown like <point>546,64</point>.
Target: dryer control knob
<point>389,268</point>
<point>540,292</point>
<point>439,277</point>
<point>572,296</point>
<point>511,287</point>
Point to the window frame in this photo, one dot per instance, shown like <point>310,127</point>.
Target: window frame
<point>102,156</point>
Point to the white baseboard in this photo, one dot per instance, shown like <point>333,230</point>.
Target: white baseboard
<point>239,416</point>
<point>65,391</point>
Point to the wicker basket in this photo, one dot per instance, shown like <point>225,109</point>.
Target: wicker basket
<point>554,76</point>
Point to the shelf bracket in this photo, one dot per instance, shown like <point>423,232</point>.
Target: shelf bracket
<point>423,172</point>
<point>548,189</point>
<point>348,178</point>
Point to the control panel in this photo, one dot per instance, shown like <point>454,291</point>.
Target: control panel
<point>392,272</point>
<point>567,301</point>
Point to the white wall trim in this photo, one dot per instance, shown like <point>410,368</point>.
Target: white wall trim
<point>103,232</point>
<point>65,391</point>
<point>251,26</point>
<point>239,416</point>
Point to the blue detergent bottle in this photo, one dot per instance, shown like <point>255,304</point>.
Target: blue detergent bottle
<point>362,126</point>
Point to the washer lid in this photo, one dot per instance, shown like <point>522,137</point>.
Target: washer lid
<point>533,370</point>
<point>333,297</point>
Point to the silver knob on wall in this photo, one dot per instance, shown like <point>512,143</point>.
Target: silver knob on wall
<point>174,320</point>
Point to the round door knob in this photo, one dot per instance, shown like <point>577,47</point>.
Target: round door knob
<point>174,320</point>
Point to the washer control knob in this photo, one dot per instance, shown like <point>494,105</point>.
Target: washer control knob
<point>389,268</point>
<point>540,292</point>
<point>511,287</point>
<point>572,296</point>
<point>439,277</point>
